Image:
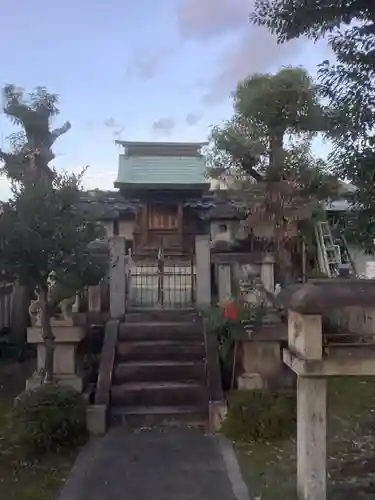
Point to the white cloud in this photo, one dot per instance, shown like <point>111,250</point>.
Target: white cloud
<point>256,51</point>
<point>146,63</point>
<point>111,123</point>
<point>192,119</point>
<point>251,49</point>
<point>164,126</point>
<point>96,177</point>
<point>204,19</point>
<point>102,180</point>
<point>93,179</point>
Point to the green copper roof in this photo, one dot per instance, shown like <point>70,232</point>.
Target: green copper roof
<point>161,170</point>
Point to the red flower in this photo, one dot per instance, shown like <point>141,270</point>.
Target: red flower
<point>231,311</point>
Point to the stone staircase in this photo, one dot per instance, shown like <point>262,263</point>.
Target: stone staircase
<point>159,374</point>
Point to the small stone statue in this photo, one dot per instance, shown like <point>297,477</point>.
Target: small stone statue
<point>35,312</point>
<point>66,307</point>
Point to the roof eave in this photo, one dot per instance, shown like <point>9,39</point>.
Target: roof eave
<point>200,186</point>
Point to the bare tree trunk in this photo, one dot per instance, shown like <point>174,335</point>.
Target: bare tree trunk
<point>285,264</point>
<point>20,316</point>
<point>276,155</point>
<point>48,337</point>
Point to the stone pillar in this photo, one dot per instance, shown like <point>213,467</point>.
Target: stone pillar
<point>305,335</point>
<point>261,362</point>
<point>311,438</point>
<point>267,274</point>
<point>306,341</point>
<point>66,366</point>
<point>203,270</point>
<point>117,279</point>
<point>75,306</point>
<point>94,298</point>
<point>224,279</point>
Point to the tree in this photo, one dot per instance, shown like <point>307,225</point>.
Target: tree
<point>45,236</point>
<point>265,153</point>
<point>348,85</point>
<point>33,113</point>
<point>31,147</point>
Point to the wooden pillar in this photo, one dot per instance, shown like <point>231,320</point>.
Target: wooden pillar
<point>180,223</point>
<point>144,224</point>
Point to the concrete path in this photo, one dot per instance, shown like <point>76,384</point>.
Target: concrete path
<point>156,464</point>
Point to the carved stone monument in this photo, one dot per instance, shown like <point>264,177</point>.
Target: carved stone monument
<point>67,337</point>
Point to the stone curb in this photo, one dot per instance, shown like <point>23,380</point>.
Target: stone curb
<point>240,490</point>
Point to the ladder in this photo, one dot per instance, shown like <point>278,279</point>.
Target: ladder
<point>329,254</point>
<point>346,258</point>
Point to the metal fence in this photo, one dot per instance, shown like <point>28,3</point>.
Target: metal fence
<point>162,284</point>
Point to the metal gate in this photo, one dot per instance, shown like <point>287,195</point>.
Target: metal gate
<point>162,284</point>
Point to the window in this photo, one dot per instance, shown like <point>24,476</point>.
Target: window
<point>223,228</point>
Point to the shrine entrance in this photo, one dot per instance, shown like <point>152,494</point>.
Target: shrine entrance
<point>163,283</point>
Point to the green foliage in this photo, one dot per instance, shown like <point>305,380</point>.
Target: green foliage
<point>260,415</point>
<point>48,418</point>
<point>231,322</point>
<point>286,101</point>
<point>347,85</point>
<point>234,318</point>
<point>269,140</point>
<point>350,89</point>
<point>290,19</point>
<point>44,236</point>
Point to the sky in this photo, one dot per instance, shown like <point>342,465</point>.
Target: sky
<point>143,70</point>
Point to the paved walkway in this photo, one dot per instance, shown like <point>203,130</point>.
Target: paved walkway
<point>156,464</point>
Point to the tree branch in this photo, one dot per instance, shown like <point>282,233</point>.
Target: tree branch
<point>55,134</point>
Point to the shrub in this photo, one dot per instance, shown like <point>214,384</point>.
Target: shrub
<point>48,418</point>
<point>259,415</point>
<point>232,321</point>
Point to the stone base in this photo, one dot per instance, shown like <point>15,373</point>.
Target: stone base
<point>74,381</point>
<point>262,356</point>
<point>64,334</point>
<point>66,369</point>
<point>62,322</point>
<point>96,419</point>
<point>217,413</point>
<point>250,381</point>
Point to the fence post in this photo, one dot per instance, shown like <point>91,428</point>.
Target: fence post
<point>94,298</point>
<point>267,272</point>
<point>117,277</point>
<point>203,270</point>
<point>224,278</point>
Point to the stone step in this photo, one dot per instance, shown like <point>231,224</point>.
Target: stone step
<point>159,394</point>
<point>161,315</point>
<point>165,330</point>
<point>160,350</point>
<point>146,416</point>
<point>159,371</point>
